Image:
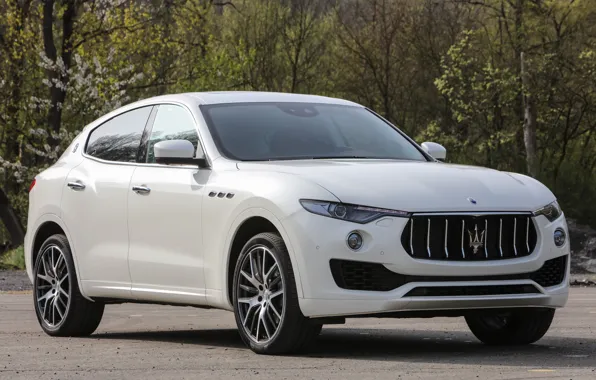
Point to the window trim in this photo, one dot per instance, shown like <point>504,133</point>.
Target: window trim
<point>149,131</point>
<point>411,140</point>
<point>110,119</point>
<point>155,104</point>
<point>142,151</point>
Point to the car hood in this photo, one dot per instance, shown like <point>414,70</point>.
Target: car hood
<point>417,186</point>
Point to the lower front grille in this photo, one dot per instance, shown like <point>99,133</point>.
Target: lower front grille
<point>552,272</point>
<point>357,275</point>
<point>462,291</point>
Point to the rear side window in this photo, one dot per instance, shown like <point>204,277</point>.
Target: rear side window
<point>119,138</point>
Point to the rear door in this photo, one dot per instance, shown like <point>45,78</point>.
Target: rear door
<point>164,217</point>
<point>94,203</point>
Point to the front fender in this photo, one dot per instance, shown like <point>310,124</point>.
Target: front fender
<point>233,230</point>
<point>272,197</point>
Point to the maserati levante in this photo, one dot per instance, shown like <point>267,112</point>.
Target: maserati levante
<point>291,211</point>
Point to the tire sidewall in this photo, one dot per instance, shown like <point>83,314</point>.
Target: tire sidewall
<point>524,327</point>
<point>290,300</point>
<point>61,242</point>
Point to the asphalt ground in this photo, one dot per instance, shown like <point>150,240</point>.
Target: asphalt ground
<point>162,342</point>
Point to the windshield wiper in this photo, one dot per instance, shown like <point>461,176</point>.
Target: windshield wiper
<point>296,158</point>
<point>350,157</point>
<point>318,158</point>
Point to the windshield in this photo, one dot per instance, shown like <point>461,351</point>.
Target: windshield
<point>293,131</point>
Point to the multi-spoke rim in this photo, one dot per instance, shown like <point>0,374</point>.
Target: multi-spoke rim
<point>261,297</point>
<point>52,286</point>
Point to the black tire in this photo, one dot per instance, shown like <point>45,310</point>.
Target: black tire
<point>81,316</point>
<point>295,332</point>
<point>513,328</point>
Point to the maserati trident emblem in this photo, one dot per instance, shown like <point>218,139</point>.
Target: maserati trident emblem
<point>475,240</point>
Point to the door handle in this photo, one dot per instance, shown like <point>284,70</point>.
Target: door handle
<point>78,185</point>
<point>141,189</point>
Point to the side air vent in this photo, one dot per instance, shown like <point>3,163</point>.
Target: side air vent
<point>356,275</point>
<point>552,272</point>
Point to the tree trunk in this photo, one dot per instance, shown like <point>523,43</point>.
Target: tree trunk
<point>10,134</point>
<point>529,120</point>
<point>58,93</point>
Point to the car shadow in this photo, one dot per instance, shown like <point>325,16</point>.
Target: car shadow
<point>456,347</point>
<point>228,338</point>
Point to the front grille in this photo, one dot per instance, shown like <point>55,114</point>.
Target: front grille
<point>463,291</point>
<point>469,237</point>
<point>357,275</point>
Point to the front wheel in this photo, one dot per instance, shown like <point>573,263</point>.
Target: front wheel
<point>265,300</point>
<point>521,327</point>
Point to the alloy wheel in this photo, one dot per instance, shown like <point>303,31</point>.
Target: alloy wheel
<point>52,286</point>
<point>261,299</point>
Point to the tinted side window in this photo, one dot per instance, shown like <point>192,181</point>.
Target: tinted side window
<point>172,123</point>
<point>119,138</point>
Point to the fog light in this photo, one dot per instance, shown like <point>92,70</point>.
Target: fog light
<point>354,241</point>
<point>560,237</point>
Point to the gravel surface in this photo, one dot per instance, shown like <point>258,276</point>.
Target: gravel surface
<point>161,342</point>
<point>14,280</point>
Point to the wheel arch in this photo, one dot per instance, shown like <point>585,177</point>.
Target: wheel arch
<point>44,231</point>
<point>47,226</point>
<point>248,224</point>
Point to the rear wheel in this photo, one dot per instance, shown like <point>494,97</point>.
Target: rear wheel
<point>265,300</point>
<point>61,309</point>
<point>512,328</point>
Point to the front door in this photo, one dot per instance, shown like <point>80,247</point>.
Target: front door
<point>164,218</point>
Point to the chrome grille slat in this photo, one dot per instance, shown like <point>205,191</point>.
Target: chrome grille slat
<point>485,238</point>
<point>528,234</point>
<point>428,238</point>
<point>501,236</point>
<point>515,236</point>
<point>446,235</point>
<point>491,236</point>
<point>411,237</point>
<point>463,227</point>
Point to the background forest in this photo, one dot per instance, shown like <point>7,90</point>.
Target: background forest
<point>509,84</point>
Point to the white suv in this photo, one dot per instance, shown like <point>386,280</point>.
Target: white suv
<point>292,211</point>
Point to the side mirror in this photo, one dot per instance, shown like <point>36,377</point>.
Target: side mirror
<point>180,152</point>
<point>437,151</point>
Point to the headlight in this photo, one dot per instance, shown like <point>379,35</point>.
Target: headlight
<point>551,211</point>
<point>351,213</point>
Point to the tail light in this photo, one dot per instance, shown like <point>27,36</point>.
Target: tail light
<point>32,184</point>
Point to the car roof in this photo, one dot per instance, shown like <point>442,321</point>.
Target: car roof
<point>223,97</point>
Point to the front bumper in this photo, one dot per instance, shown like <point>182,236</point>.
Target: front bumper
<point>316,240</point>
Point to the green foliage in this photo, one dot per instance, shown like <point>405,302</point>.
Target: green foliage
<point>448,71</point>
<point>482,98</point>
<point>14,259</point>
